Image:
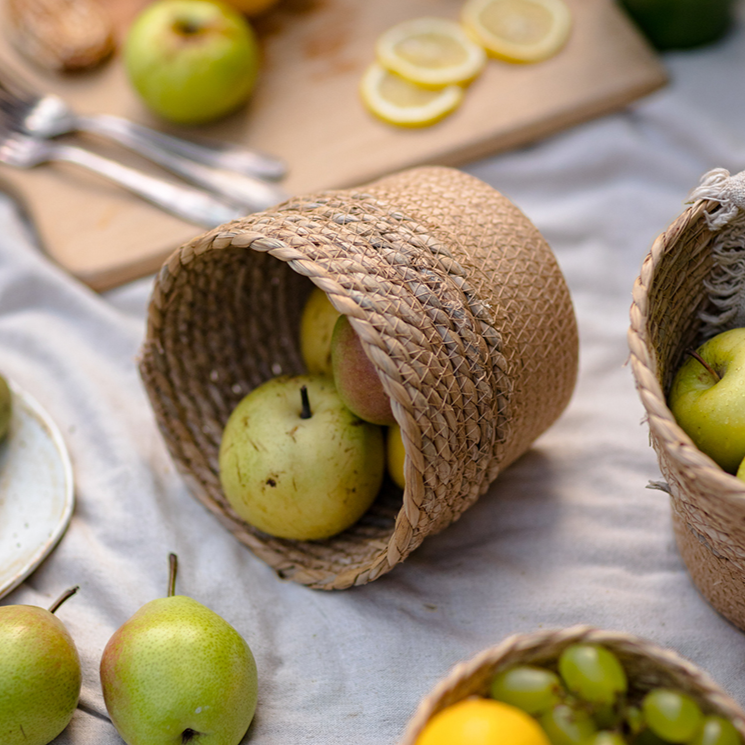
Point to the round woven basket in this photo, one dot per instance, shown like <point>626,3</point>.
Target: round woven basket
<point>458,301</point>
<point>691,287</point>
<point>647,666</point>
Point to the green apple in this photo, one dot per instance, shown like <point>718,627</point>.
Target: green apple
<point>296,463</point>
<point>707,398</point>
<point>356,378</point>
<point>316,326</point>
<point>6,408</point>
<point>191,61</point>
<point>395,454</point>
<point>177,673</point>
<point>40,674</point>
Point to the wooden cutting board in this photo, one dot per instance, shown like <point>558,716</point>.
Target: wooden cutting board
<point>306,110</point>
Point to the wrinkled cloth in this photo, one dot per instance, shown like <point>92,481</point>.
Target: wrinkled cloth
<point>568,534</point>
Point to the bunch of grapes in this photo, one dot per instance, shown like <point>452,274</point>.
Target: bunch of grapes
<point>587,703</point>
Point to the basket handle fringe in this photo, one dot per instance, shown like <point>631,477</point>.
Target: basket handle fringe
<point>717,185</point>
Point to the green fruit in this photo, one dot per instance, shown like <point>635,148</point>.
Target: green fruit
<point>356,378</point>
<point>567,725</point>
<point>304,473</point>
<point>6,407</point>
<point>316,326</point>
<point>40,674</point>
<point>717,731</point>
<point>191,61</point>
<point>176,672</point>
<point>605,737</point>
<point>708,400</point>
<point>532,689</point>
<point>672,715</point>
<point>592,673</point>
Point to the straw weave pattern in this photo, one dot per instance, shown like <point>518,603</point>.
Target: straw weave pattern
<point>647,666</point>
<point>708,505</point>
<point>458,302</point>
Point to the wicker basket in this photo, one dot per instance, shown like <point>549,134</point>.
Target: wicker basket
<point>647,666</point>
<point>459,303</point>
<point>691,286</point>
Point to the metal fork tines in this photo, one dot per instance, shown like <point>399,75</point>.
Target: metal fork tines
<point>233,171</point>
<point>188,203</point>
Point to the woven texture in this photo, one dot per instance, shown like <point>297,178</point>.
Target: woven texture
<point>647,666</point>
<point>459,304</point>
<point>675,306</point>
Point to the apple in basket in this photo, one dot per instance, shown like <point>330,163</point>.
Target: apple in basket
<point>295,463</point>
<point>707,398</point>
<point>356,378</point>
<point>191,61</point>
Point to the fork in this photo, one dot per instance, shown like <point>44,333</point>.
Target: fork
<point>188,203</point>
<point>230,170</point>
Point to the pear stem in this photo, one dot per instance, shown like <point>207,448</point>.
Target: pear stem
<point>696,356</point>
<point>305,412</point>
<point>61,599</point>
<point>172,568</point>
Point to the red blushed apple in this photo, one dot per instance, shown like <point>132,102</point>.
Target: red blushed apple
<point>356,378</point>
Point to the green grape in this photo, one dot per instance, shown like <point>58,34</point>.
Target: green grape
<point>565,725</point>
<point>672,715</point>
<point>593,673</point>
<point>532,689</point>
<point>605,737</point>
<point>717,731</point>
<point>634,719</point>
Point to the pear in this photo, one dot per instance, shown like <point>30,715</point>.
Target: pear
<point>178,673</point>
<point>395,455</point>
<point>316,326</point>
<point>356,378</point>
<point>40,674</point>
<point>296,463</point>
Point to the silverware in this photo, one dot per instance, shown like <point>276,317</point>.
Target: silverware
<point>188,203</point>
<point>241,171</point>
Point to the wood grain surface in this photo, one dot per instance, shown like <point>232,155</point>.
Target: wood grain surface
<point>306,109</point>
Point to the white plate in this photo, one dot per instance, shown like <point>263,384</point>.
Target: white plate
<point>36,490</point>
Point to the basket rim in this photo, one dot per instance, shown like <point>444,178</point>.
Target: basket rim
<point>663,657</point>
<point>713,480</point>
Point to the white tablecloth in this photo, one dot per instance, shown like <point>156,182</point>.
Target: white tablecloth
<point>569,534</point>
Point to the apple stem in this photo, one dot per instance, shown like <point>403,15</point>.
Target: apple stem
<point>61,599</point>
<point>172,568</point>
<point>305,412</point>
<point>709,368</point>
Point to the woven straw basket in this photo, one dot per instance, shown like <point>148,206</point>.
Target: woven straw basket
<point>458,301</point>
<point>646,664</point>
<point>692,286</point>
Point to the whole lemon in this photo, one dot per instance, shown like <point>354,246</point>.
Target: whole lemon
<point>482,721</point>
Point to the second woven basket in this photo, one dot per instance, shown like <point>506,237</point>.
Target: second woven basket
<point>459,303</point>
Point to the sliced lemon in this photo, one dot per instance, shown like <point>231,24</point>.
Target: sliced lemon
<point>433,52</point>
<point>399,101</point>
<point>518,30</point>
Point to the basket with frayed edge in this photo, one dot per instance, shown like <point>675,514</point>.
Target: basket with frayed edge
<point>647,666</point>
<point>459,303</point>
<point>692,287</point>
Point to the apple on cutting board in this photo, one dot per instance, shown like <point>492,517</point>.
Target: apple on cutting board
<point>707,398</point>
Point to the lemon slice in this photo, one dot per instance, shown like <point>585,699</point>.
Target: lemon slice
<point>399,101</point>
<point>518,30</point>
<point>433,52</point>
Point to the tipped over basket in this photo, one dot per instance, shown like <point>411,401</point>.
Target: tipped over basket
<point>647,666</point>
<point>459,303</point>
<point>691,287</point>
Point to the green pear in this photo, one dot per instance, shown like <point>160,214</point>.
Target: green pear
<point>6,407</point>
<point>296,463</point>
<point>178,673</point>
<point>316,326</point>
<point>40,674</point>
<point>356,378</point>
<point>395,455</point>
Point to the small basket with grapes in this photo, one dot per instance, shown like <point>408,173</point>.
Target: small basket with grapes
<point>576,686</point>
